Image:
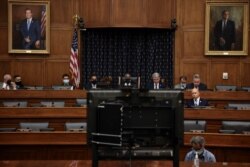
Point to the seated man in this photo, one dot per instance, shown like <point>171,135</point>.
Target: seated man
<point>127,82</point>
<point>182,84</point>
<point>196,83</point>
<point>197,100</point>
<point>66,81</point>
<point>156,82</point>
<point>7,83</point>
<point>18,82</point>
<point>92,84</point>
<point>198,145</point>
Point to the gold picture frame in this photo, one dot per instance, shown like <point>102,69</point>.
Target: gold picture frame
<point>231,39</point>
<point>28,27</point>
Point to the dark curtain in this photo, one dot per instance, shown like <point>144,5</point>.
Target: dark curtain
<point>116,51</point>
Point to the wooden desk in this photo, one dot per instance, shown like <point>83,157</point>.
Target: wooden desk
<point>43,138</point>
<point>217,114</point>
<point>43,112</point>
<point>87,163</point>
<point>43,94</point>
<point>221,95</point>
<point>221,140</point>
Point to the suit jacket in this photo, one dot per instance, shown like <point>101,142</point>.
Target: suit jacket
<point>202,102</point>
<point>88,86</point>
<point>151,86</point>
<point>34,33</point>
<point>228,33</point>
<point>201,86</point>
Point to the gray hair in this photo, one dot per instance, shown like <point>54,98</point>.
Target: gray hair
<point>156,74</point>
<point>198,140</point>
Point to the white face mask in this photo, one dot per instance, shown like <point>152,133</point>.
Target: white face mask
<point>66,81</point>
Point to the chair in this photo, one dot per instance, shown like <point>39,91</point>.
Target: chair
<point>7,129</point>
<point>34,126</point>
<point>135,80</point>
<point>239,106</point>
<point>235,126</point>
<point>15,103</point>
<point>225,88</point>
<point>52,103</point>
<point>61,87</point>
<point>81,102</point>
<point>194,126</point>
<point>247,88</point>
<point>75,126</point>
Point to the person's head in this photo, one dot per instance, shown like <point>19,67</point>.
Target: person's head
<point>196,80</point>
<point>156,77</point>
<point>65,79</point>
<point>198,144</point>
<point>18,79</point>
<point>127,77</point>
<point>195,93</point>
<point>225,14</point>
<point>93,79</point>
<point>7,78</point>
<point>183,80</point>
<point>28,13</point>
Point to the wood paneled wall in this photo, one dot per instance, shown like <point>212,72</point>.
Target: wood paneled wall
<point>189,50</point>
<point>189,39</point>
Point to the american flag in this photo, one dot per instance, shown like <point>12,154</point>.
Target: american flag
<point>74,65</point>
<point>43,21</point>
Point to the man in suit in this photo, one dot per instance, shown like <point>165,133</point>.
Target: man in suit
<point>197,100</point>
<point>183,83</point>
<point>7,83</point>
<point>224,33</point>
<point>196,83</point>
<point>156,82</point>
<point>92,84</point>
<point>30,31</point>
<point>127,82</point>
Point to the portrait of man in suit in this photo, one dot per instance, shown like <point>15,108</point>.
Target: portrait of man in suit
<point>28,26</point>
<point>224,33</point>
<point>31,31</point>
<point>226,28</point>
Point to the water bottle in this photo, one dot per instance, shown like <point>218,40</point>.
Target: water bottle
<point>196,160</point>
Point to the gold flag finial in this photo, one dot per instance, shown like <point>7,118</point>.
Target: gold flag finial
<point>75,19</point>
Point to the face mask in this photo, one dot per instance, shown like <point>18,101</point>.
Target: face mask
<point>183,85</point>
<point>94,82</point>
<point>66,81</point>
<point>19,83</point>
<point>9,82</point>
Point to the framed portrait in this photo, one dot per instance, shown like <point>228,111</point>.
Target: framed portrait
<point>28,26</point>
<point>226,28</point>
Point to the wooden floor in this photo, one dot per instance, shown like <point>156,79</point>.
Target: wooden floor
<point>80,163</point>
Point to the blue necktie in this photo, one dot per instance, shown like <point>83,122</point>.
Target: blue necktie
<point>28,24</point>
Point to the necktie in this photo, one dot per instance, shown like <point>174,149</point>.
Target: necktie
<point>28,24</point>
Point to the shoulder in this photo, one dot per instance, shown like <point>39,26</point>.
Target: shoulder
<point>189,156</point>
<point>210,156</point>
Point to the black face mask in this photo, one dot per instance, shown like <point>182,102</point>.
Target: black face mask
<point>9,82</point>
<point>19,83</point>
<point>127,80</point>
<point>94,82</point>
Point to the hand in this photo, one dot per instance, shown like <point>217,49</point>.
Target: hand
<point>232,46</point>
<point>13,85</point>
<point>27,39</point>
<point>37,44</point>
<point>222,41</point>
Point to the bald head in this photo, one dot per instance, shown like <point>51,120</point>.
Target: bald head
<point>195,93</point>
<point>7,77</point>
